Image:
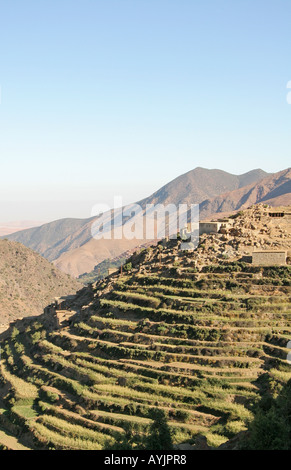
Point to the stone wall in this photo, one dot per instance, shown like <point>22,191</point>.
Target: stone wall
<point>269,258</point>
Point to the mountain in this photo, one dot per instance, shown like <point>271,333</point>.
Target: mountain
<point>200,184</point>
<point>53,238</point>
<point>197,337</point>
<point>69,244</point>
<point>274,190</point>
<point>28,282</point>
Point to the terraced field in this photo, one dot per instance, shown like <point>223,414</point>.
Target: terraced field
<point>200,345</point>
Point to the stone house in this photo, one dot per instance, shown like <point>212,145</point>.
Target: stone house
<point>269,258</point>
<point>209,227</point>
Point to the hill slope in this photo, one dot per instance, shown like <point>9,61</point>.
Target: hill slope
<point>69,244</point>
<point>28,282</point>
<point>194,334</point>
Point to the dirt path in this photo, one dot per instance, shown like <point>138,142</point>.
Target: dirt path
<point>10,441</point>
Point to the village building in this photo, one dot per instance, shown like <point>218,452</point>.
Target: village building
<point>62,317</point>
<point>269,258</point>
<point>279,214</point>
<point>209,227</point>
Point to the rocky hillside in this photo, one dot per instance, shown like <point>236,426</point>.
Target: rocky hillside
<point>201,336</point>
<point>69,244</point>
<point>28,282</point>
<point>247,231</point>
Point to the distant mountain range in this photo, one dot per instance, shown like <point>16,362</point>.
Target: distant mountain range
<point>69,244</point>
<point>28,282</point>
<point>6,228</point>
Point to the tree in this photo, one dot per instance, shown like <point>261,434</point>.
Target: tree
<point>271,427</point>
<point>132,439</point>
<point>159,437</point>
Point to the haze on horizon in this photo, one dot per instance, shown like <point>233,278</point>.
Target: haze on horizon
<point>103,98</point>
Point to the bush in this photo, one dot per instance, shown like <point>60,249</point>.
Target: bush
<point>127,267</point>
<point>49,396</point>
<point>15,333</point>
<point>183,416</point>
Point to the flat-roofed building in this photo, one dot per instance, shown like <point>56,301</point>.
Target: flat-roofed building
<point>269,258</point>
<point>209,227</point>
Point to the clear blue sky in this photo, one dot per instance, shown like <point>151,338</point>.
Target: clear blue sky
<point>104,97</point>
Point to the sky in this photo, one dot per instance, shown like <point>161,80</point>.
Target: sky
<point>118,97</point>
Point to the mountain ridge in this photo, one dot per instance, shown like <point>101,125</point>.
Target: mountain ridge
<point>275,186</point>
<point>199,184</point>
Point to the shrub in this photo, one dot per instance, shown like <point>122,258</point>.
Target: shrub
<point>183,415</point>
<point>127,267</point>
